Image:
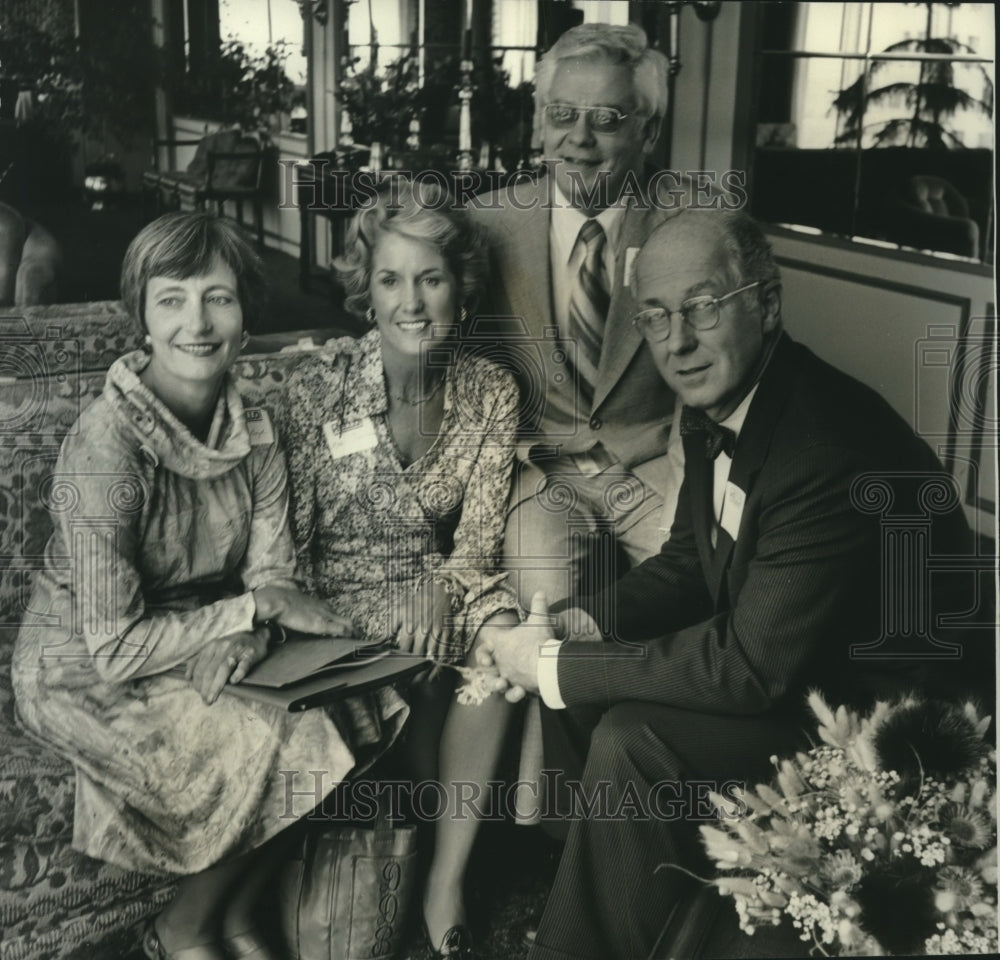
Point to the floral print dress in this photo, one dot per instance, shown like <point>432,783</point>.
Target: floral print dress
<point>159,540</point>
<point>371,528</point>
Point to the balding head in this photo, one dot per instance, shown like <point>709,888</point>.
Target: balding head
<point>737,237</point>
<point>709,296</point>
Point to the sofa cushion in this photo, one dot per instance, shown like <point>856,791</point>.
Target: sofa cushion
<point>34,805</point>
<point>58,903</point>
<point>85,934</point>
<point>61,338</point>
<point>36,786</point>
<point>34,417</point>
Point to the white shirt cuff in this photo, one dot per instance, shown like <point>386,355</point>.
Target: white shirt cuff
<point>548,675</point>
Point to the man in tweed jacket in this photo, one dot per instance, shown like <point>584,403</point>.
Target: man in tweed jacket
<point>596,415</point>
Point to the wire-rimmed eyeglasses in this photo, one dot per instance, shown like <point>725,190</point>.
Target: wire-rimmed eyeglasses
<point>699,313</point>
<point>602,119</point>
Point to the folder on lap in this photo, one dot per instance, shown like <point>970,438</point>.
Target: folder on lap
<point>309,672</point>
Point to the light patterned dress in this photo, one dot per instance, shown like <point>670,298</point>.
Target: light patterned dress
<point>158,541</point>
<point>370,528</point>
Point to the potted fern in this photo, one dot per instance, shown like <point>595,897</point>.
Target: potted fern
<point>928,105</point>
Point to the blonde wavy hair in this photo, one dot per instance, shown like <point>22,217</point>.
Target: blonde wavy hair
<point>425,211</point>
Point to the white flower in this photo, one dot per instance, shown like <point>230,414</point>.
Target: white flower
<point>842,870</point>
<point>478,686</point>
<point>840,819</point>
<point>961,887</point>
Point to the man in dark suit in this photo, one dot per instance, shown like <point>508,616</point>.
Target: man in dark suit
<point>770,581</point>
<point>597,416</point>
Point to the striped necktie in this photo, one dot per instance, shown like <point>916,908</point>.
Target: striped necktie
<point>588,303</point>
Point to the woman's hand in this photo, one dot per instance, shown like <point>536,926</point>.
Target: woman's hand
<point>226,660</point>
<point>422,623</point>
<point>298,611</point>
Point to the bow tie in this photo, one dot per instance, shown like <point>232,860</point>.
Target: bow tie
<point>717,438</point>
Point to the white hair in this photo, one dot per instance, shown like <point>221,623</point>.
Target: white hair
<point>618,45</point>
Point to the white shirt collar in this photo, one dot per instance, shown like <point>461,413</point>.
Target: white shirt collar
<point>735,420</point>
<point>728,514</point>
<point>567,221</point>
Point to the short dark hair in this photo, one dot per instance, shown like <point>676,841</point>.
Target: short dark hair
<point>184,244</point>
<point>423,211</point>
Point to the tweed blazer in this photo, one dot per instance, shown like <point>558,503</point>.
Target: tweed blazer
<point>632,407</point>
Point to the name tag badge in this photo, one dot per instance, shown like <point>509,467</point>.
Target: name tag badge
<point>259,427</point>
<point>630,255</point>
<point>354,438</point>
<point>732,509</point>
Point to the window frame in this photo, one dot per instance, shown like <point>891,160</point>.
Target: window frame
<point>751,70</point>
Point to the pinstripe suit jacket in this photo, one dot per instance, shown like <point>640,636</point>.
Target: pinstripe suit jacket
<point>632,406</point>
<point>746,627</point>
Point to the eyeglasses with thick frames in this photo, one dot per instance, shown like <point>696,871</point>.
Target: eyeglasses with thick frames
<point>699,313</point>
<point>602,119</point>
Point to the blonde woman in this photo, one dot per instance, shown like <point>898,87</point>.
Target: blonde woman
<point>401,450</point>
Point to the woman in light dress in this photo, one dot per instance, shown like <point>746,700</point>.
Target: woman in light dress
<point>401,448</point>
<point>170,566</point>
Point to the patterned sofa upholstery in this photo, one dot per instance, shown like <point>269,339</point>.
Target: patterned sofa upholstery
<point>55,902</point>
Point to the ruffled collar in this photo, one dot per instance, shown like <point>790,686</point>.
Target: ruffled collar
<point>163,437</point>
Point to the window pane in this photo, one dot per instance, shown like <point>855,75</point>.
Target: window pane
<point>872,27</point>
<point>259,23</point>
<point>892,143</point>
<point>816,27</point>
<point>970,24</point>
<point>816,84</point>
<point>515,24</point>
<point>520,64</point>
<point>603,11</point>
<point>937,104</point>
<point>388,17</point>
<point>797,96</point>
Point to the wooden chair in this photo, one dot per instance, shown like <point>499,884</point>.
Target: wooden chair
<point>228,165</point>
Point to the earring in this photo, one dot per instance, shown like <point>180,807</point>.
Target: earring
<point>147,343</point>
<point>463,315</point>
<point>244,340</point>
<point>370,316</point>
